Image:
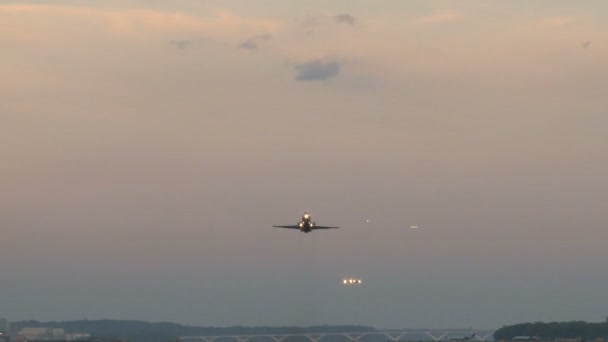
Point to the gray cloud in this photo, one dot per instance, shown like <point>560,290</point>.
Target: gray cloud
<point>181,44</point>
<point>345,19</point>
<point>253,42</point>
<point>317,70</point>
<point>311,21</point>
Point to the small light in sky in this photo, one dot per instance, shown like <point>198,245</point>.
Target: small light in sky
<point>413,227</point>
<point>367,221</point>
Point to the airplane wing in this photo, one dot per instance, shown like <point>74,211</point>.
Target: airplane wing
<point>290,227</point>
<point>324,227</point>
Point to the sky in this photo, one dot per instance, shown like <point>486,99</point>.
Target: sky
<point>149,146</point>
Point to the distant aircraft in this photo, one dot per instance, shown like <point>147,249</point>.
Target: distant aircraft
<point>352,281</point>
<point>306,225</point>
<point>465,338</point>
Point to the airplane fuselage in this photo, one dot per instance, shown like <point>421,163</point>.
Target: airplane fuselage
<point>306,224</point>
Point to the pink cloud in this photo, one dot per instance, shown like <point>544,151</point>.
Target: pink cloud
<point>440,18</point>
<point>134,21</point>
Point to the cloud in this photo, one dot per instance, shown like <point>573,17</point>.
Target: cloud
<point>345,19</point>
<point>140,22</point>
<point>310,21</point>
<point>559,21</point>
<point>440,18</point>
<point>252,43</point>
<point>317,70</point>
<point>181,44</point>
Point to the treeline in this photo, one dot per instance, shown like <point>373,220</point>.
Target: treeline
<point>553,330</point>
<point>140,331</point>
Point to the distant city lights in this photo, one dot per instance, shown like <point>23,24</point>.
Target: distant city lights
<point>413,227</point>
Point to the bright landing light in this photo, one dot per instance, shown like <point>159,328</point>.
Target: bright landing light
<point>351,281</point>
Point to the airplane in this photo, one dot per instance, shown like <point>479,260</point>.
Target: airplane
<point>352,281</point>
<point>306,225</point>
<point>465,338</point>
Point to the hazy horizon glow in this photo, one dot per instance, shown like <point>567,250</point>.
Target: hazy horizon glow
<point>148,148</point>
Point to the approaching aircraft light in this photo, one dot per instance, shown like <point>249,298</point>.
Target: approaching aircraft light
<point>352,281</point>
<point>306,225</point>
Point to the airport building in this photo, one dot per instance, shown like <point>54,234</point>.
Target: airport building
<point>49,334</point>
<point>31,333</point>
